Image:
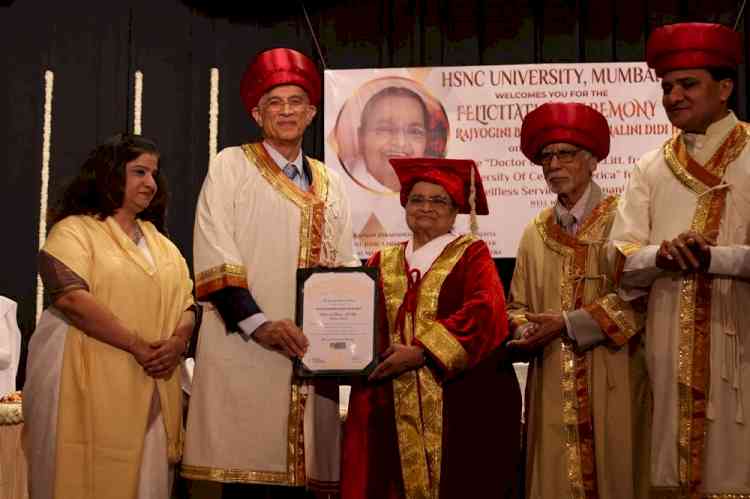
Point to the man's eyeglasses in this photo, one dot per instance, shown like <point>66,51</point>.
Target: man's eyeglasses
<point>439,202</point>
<point>565,156</point>
<point>277,104</point>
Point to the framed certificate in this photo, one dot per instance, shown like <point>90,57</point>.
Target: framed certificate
<point>336,309</point>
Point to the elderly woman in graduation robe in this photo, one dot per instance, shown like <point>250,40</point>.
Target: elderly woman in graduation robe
<point>439,416</point>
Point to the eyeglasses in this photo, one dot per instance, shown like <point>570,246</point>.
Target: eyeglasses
<point>439,202</point>
<point>277,104</point>
<point>565,156</point>
<point>413,133</point>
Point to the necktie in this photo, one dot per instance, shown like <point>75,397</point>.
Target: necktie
<point>291,171</point>
<point>567,221</point>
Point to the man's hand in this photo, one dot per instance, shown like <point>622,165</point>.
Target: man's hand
<point>689,252</point>
<point>283,336</point>
<point>545,328</point>
<point>398,359</point>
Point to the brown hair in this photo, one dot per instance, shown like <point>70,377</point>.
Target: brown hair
<point>99,187</point>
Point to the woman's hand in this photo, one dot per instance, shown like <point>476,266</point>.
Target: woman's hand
<point>165,356</point>
<point>398,359</point>
<point>141,350</point>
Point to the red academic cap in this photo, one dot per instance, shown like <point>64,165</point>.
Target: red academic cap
<point>454,175</point>
<point>569,122</point>
<point>691,46</point>
<point>279,66</point>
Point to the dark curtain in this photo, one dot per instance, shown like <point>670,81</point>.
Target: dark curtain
<point>95,47</point>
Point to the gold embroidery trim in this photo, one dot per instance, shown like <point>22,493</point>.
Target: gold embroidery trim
<point>296,442</point>
<point>442,345</point>
<point>593,230</point>
<point>616,319</point>
<point>233,475</point>
<point>418,397</point>
<point>220,277</point>
<point>577,420</point>
<point>627,249</point>
<point>695,305</point>
<point>311,233</point>
<point>699,178</point>
<point>393,274</point>
<point>311,204</point>
<point>574,470</point>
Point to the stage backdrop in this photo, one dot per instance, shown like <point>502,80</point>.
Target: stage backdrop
<point>476,112</point>
<point>94,49</point>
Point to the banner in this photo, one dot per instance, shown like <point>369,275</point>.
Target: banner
<point>476,112</point>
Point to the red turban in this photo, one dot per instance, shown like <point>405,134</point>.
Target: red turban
<point>692,46</point>
<point>454,175</point>
<point>569,122</point>
<point>276,67</point>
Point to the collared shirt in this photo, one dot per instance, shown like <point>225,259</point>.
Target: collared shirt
<point>578,210</point>
<point>702,146</point>
<point>301,179</point>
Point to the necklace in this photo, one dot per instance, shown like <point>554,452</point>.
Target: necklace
<point>137,234</point>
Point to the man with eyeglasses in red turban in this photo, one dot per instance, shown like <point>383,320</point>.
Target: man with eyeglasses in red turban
<point>681,235</point>
<point>264,211</point>
<point>587,390</point>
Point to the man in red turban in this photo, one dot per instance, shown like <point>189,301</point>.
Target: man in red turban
<point>264,211</point>
<point>587,389</point>
<point>681,235</point>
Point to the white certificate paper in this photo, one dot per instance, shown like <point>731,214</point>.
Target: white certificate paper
<point>338,321</point>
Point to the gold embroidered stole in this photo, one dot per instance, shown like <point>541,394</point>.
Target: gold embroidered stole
<point>577,414</point>
<point>311,204</point>
<point>311,237</point>
<point>312,226</point>
<point>695,300</point>
<point>417,395</point>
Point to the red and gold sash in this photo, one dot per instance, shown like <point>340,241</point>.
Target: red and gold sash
<point>577,415</point>
<point>695,301</point>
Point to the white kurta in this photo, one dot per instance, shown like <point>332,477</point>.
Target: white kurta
<point>658,206</point>
<point>255,228</point>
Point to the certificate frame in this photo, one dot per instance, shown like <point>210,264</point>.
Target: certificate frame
<point>303,371</point>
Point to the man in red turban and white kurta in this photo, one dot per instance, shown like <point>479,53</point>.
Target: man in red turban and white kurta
<point>264,211</point>
<point>439,417</point>
<point>587,402</point>
<point>682,233</point>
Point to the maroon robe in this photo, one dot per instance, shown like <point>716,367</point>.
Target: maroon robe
<point>481,400</point>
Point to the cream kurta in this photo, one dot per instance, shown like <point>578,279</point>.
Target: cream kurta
<point>664,199</point>
<point>586,414</point>
<point>254,228</point>
<point>100,423</point>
